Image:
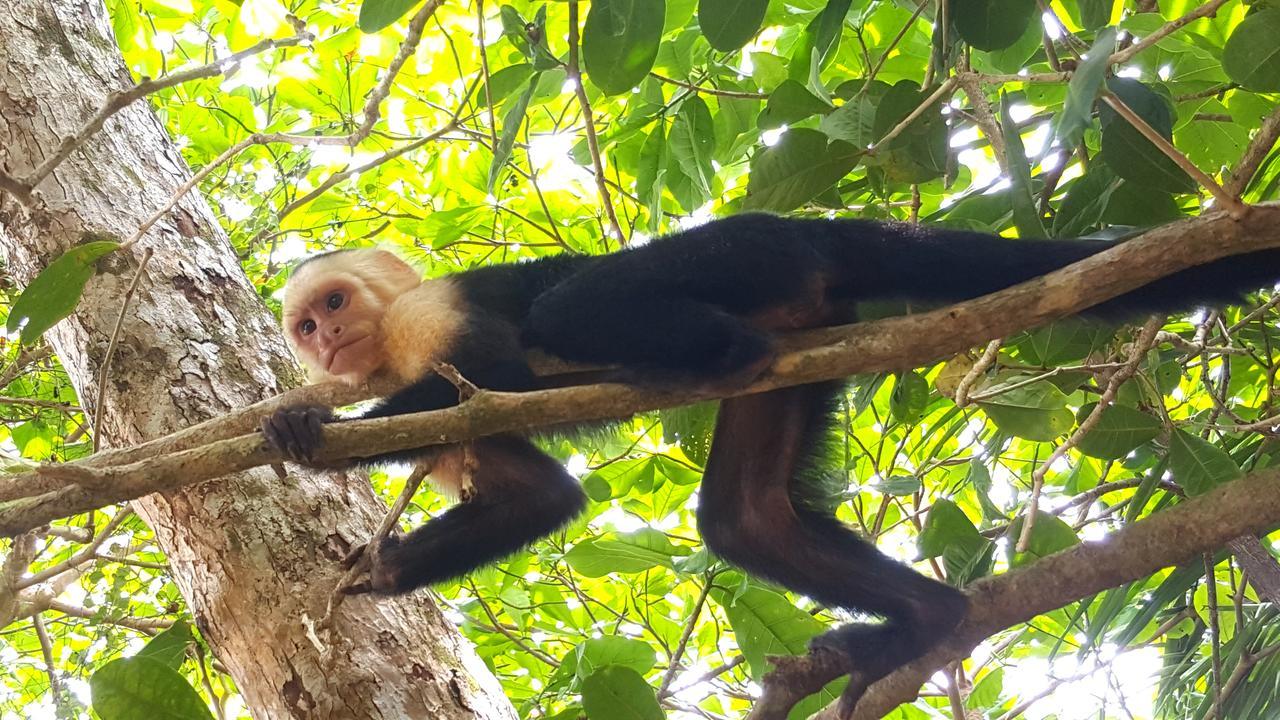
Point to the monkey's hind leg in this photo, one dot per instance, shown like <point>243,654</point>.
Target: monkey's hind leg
<point>747,516</point>
<point>521,495</point>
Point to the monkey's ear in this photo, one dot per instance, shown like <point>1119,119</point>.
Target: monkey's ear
<point>386,264</point>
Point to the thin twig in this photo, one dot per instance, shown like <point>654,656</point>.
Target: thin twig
<point>50,667</point>
<point>1228,201</point>
<point>690,623</point>
<point>1146,339</point>
<point>709,90</point>
<point>984,362</point>
<point>943,90</point>
<point>593,143</point>
<point>111,349</point>
<point>1215,632</point>
<point>1164,31</point>
<point>341,175</point>
<point>121,99</point>
<point>81,556</point>
<point>483,50</point>
<point>1254,154</point>
<point>349,578</point>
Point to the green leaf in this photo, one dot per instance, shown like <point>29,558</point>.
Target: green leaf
<point>505,82</point>
<point>900,485</point>
<point>1082,91</point>
<point>1026,215</point>
<point>512,119</point>
<point>595,654</point>
<point>820,41</point>
<point>1035,412</point>
<point>1087,198</point>
<point>766,623</point>
<point>632,553</point>
<point>1095,14</point>
<point>992,24</point>
<point>170,646</point>
<point>1252,54</point>
<point>692,143</point>
<point>799,167</point>
<point>789,102</point>
<point>615,692</point>
<point>620,41</point>
<point>56,291</point>
<point>910,397</point>
<point>1119,431</point>
<point>946,525</point>
<point>919,152</point>
<point>729,24</point>
<point>1132,204</point>
<point>378,14</point>
<point>853,122</point>
<point>141,687</point>
<point>1135,158</point>
<point>1197,465</point>
<point>1049,534</point>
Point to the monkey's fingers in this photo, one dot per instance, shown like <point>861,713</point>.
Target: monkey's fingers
<point>355,555</point>
<point>278,436</point>
<point>358,588</point>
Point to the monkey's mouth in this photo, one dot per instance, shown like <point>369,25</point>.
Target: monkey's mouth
<point>352,356</point>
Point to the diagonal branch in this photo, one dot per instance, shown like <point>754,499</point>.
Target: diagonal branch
<point>829,353</point>
<point>1245,507</point>
<point>121,99</point>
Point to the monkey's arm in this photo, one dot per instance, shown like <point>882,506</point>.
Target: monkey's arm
<point>485,352</point>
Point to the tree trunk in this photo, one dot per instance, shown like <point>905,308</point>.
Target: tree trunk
<point>255,556</point>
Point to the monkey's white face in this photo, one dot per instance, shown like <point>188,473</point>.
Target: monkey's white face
<point>333,312</point>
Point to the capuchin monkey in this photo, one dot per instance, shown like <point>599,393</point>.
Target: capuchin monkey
<point>701,304</point>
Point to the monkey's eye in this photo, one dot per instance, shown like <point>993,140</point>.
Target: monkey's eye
<point>306,327</point>
<point>335,301</point>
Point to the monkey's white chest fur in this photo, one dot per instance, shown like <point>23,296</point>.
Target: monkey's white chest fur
<point>429,318</point>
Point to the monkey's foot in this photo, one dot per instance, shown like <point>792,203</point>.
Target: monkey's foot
<point>866,649</point>
<point>381,573</point>
<point>297,432</point>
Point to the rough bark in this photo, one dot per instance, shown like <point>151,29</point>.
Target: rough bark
<point>255,556</point>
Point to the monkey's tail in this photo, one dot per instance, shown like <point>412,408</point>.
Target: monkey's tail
<point>931,264</point>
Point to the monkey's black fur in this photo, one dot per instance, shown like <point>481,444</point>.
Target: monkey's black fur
<point>701,303</point>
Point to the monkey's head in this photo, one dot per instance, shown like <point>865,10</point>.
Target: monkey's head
<point>333,309</point>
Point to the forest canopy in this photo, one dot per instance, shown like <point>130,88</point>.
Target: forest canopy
<point>462,134</point>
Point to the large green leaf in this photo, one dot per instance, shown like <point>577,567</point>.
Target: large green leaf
<point>1252,54</point>
<point>1119,431</point>
<point>729,24</point>
<point>766,623</point>
<point>789,102</point>
<point>170,646</point>
<point>799,167</point>
<point>512,119</point>
<point>56,291</point>
<point>1135,158</point>
<point>615,692</point>
<point>378,14</point>
<point>611,650</point>
<point>620,41</point>
<point>910,397</point>
<point>142,687</point>
<point>631,553</point>
<point>1035,412</point>
<point>692,143</point>
<point>1197,465</point>
<point>992,24</point>
<point>1087,198</point>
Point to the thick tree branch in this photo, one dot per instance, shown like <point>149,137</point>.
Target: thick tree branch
<point>831,353</point>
